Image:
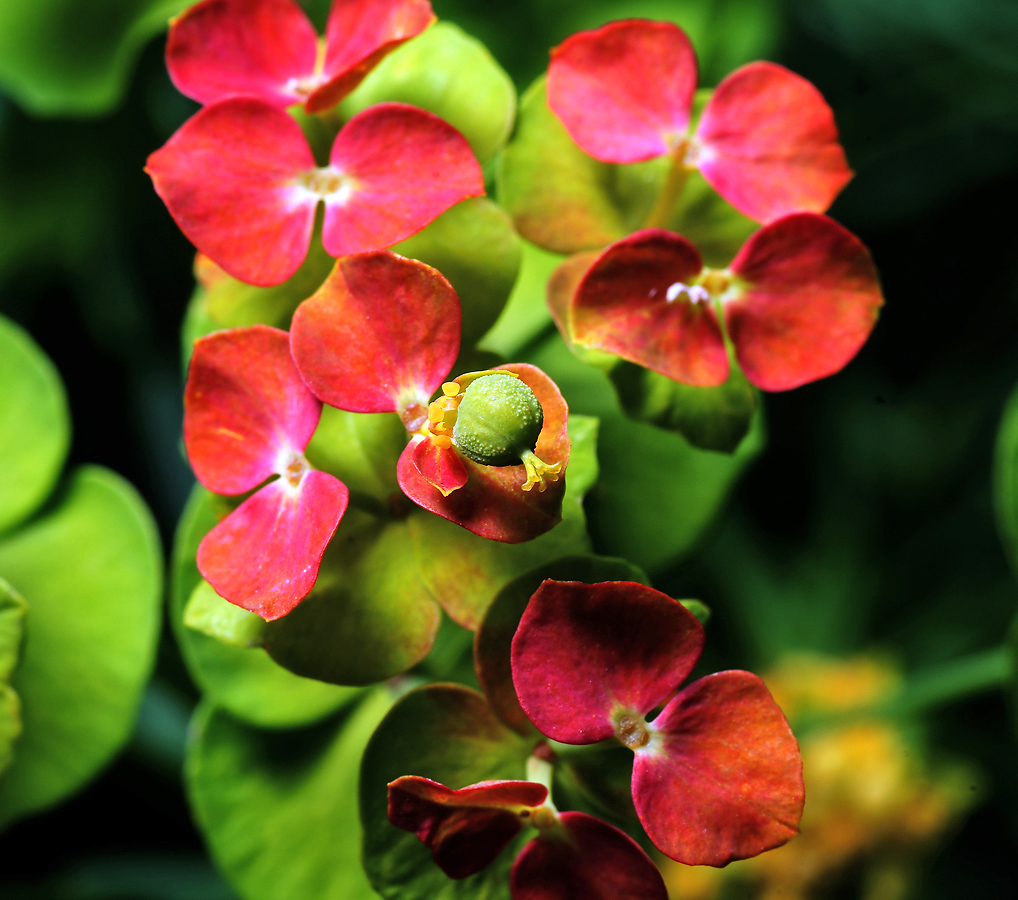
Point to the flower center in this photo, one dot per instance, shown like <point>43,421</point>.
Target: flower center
<point>327,183</point>
<point>295,470</point>
<point>632,731</point>
<point>694,293</point>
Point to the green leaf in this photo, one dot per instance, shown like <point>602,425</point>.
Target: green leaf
<point>279,809</point>
<point>699,609</point>
<point>464,572</point>
<point>475,246</point>
<point>1005,479</point>
<point>447,733</point>
<point>62,57</point>
<point>12,630</point>
<point>90,569</point>
<point>495,634</point>
<point>368,616</point>
<point>35,428</point>
<point>449,73</point>
<point>210,614</point>
<point>710,418</point>
<point>245,682</point>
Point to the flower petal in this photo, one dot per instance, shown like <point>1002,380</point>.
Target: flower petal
<point>465,829</point>
<point>246,410</point>
<point>379,335</point>
<point>359,34</point>
<point>769,144</point>
<point>812,299</point>
<point>624,91</point>
<point>637,301</point>
<point>584,652</point>
<point>721,778</point>
<point>265,555</point>
<point>251,48</point>
<point>405,167</point>
<point>493,503</point>
<point>591,861</point>
<point>227,177</point>
<point>441,467</point>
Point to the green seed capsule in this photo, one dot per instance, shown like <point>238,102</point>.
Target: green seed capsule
<point>498,420</point>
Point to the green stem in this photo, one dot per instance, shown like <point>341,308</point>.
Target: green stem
<point>672,189</point>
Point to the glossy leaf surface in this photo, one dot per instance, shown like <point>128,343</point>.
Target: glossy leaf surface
<point>584,655</point>
<point>34,425</point>
<point>90,645</point>
<point>12,633</point>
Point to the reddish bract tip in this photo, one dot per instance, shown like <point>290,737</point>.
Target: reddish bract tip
<point>253,48</point>
<point>380,334</point>
<point>624,91</point>
<point>247,412</point>
<point>359,35</point>
<point>465,829</point>
<point>587,860</point>
<point>721,778</point>
<point>493,503</point>
<point>769,145</point>
<point>401,167</point>
<point>265,555</point>
<point>811,301</point>
<point>228,177</point>
<point>584,654</point>
<point>638,301</point>
<point>440,466</point>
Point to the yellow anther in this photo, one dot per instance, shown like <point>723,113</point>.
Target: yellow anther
<point>442,441</point>
<point>451,389</point>
<point>538,471</point>
<point>436,412</point>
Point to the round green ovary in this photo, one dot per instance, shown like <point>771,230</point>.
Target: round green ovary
<point>498,418</point>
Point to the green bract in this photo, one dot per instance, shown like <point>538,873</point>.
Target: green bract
<point>12,630</point>
<point>497,420</point>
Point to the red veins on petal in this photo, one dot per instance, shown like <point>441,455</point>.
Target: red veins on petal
<point>229,178</point>
<point>624,91</point>
<point>768,144</point>
<point>588,860</point>
<point>247,412</point>
<point>268,49</point>
<point>400,167</point>
<point>359,35</point>
<point>721,778</point>
<point>638,301</point>
<point>465,829</point>
<point>584,655</point>
<point>230,48</point>
<point>440,466</point>
<point>265,555</point>
<point>379,335</point>
<point>810,301</point>
<point>493,503</point>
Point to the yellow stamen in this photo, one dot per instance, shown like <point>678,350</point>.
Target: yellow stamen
<point>538,471</point>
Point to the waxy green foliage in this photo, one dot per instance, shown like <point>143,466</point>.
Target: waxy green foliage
<point>12,631</point>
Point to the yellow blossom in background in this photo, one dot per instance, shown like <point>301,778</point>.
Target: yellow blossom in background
<point>874,804</point>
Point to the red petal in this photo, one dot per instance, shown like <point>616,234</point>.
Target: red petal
<point>585,651</point>
<point>246,410</point>
<point>380,334</point>
<point>265,555</point>
<point>769,144</point>
<point>465,829</point>
<point>629,303</point>
<point>812,299</point>
<point>592,861</point>
<point>441,467</point>
<point>721,778</point>
<point>406,167</point>
<point>227,178</point>
<point>624,91</point>
<point>493,503</point>
<point>253,48</point>
<point>360,33</point>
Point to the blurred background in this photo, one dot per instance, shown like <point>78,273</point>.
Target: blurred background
<point>865,526</point>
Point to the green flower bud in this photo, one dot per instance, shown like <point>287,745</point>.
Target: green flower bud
<point>498,420</point>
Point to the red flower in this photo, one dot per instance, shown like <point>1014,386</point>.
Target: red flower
<point>241,182</point>
<point>249,417</point>
<point>573,854</point>
<point>766,140</point>
<point>717,774</point>
<point>381,335</point>
<point>798,302</point>
<point>268,49</point>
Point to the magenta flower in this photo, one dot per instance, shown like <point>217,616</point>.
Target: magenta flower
<point>248,418</point>
<point>268,49</point>
<point>766,140</point>
<point>717,774</point>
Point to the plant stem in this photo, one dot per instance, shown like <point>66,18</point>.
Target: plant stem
<point>671,190</point>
